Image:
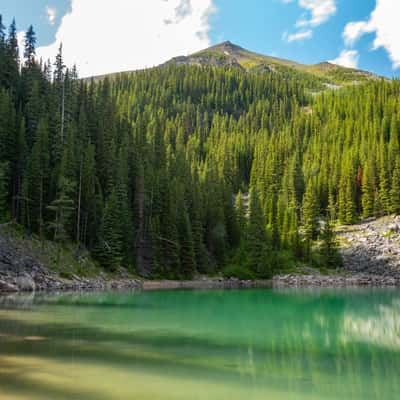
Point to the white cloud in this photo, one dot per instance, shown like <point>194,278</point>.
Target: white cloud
<point>317,12</point>
<point>21,43</point>
<point>51,13</point>
<point>354,30</point>
<point>347,58</point>
<point>384,22</point>
<point>320,11</point>
<point>302,35</point>
<point>104,36</point>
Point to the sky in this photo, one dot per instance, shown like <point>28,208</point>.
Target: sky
<point>104,36</point>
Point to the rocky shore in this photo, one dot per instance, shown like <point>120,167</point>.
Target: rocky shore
<point>20,271</point>
<point>334,281</point>
<point>370,252</point>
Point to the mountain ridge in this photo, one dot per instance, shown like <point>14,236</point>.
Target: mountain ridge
<point>232,55</point>
<point>317,77</point>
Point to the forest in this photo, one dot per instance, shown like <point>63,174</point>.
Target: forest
<point>182,170</point>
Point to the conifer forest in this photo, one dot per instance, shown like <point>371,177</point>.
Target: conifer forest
<point>183,170</point>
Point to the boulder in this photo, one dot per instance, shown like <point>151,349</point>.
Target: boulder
<point>8,287</point>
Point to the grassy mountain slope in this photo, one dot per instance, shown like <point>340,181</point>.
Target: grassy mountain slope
<point>315,77</point>
<point>229,54</point>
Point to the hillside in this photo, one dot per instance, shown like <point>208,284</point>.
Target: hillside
<point>149,170</point>
<point>315,77</point>
<point>232,55</point>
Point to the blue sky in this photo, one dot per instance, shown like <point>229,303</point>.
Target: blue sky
<point>111,35</point>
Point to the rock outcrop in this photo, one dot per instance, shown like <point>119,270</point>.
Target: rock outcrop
<point>372,247</point>
<point>20,272</point>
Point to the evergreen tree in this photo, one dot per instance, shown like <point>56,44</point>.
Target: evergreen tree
<point>187,255</point>
<point>62,208</point>
<point>3,191</point>
<point>110,251</point>
<point>367,192</point>
<point>384,191</point>
<point>310,211</point>
<point>395,189</point>
<point>256,239</point>
<point>30,47</point>
<point>240,211</point>
<point>38,178</point>
<point>329,246</point>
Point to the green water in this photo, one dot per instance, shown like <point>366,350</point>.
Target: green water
<point>256,344</point>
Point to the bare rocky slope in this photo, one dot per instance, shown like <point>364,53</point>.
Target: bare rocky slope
<point>23,267</point>
<point>372,247</point>
<point>371,257</point>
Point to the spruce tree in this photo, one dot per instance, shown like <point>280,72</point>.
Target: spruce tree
<point>329,246</point>
<point>256,239</point>
<point>3,191</point>
<point>30,47</point>
<point>310,211</point>
<point>395,189</point>
<point>110,250</point>
<point>367,198</point>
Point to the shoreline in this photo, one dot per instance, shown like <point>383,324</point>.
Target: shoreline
<point>27,284</point>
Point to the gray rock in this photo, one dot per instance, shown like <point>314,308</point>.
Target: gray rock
<point>7,287</point>
<point>25,283</point>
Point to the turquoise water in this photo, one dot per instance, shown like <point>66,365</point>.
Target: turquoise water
<point>255,344</point>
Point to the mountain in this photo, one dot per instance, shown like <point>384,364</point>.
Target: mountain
<point>315,77</point>
<point>231,55</point>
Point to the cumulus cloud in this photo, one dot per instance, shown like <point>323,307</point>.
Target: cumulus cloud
<point>354,30</point>
<point>116,35</point>
<point>51,13</point>
<point>384,22</point>
<point>320,11</point>
<point>302,35</point>
<point>347,58</point>
<point>317,12</point>
<point>21,43</point>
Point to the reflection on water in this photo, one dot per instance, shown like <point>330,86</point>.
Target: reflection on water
<point>256,344</point>
<point>381,328</point>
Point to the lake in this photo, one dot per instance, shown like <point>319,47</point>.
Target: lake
<point>249,344</point>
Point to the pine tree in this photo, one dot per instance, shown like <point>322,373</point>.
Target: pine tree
<point>30,47</point>
<point>110,251</point>
<point>395,189</point>
<point>331,211</point>
<point>2,31</point>
<point>384,191</point>
<point>240,211</point>
<point>346,204</point>
<point>310,211</point>
<point>38,178</point>
<point>187,255</point>
<point>256,239</point>
<point>329,246</point>
<point>62,208</point>
<point>3,191</point>
<point>367,198</point>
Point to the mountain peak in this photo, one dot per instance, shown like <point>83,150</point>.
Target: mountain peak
<point>228,54</point>
<point>226,44</point>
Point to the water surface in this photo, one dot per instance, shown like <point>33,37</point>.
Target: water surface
<point>255,344</point>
